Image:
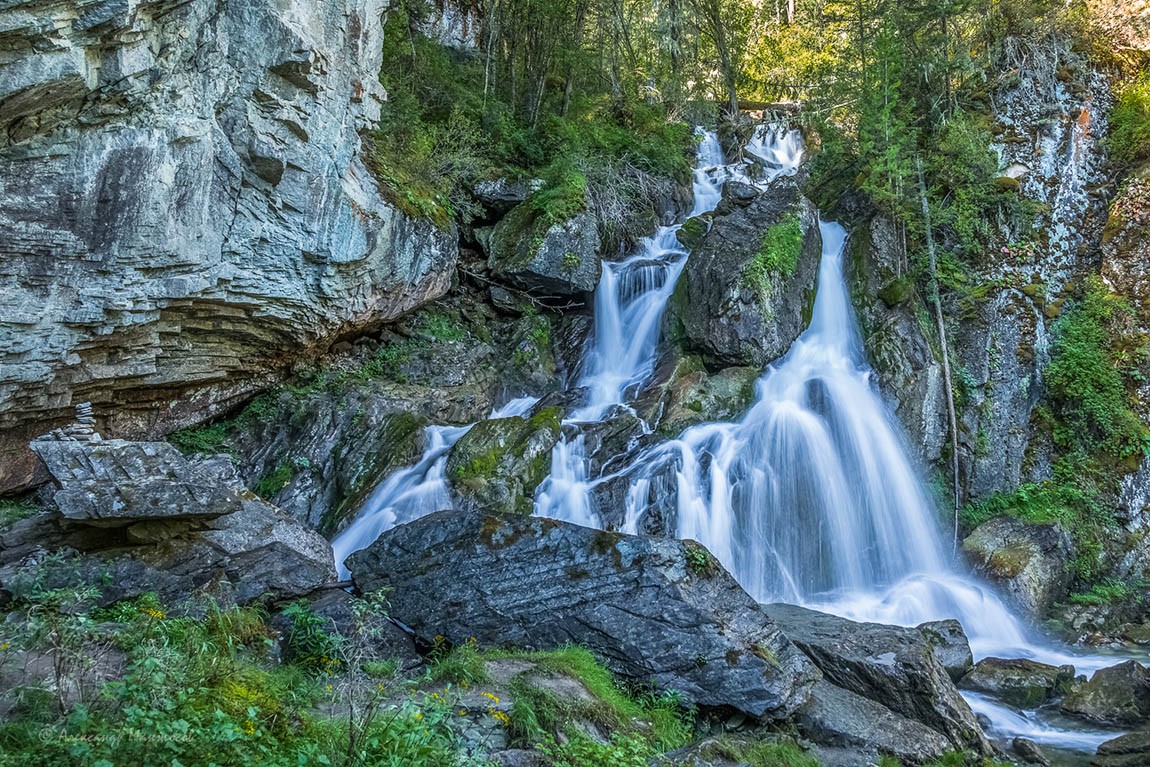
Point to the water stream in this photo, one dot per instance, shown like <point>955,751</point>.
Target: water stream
<point>811,498</point>
<point>413,491</point>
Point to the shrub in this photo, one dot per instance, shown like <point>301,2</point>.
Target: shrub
<point>1129,139</point>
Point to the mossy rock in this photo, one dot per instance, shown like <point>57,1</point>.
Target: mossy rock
<point>1007,184</point>
<point>693,231</point>
<point>498,464</point>
<point>897,291</point>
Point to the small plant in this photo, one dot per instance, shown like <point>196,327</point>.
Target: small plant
<point>699,560</point>
<point>309,643</point>
<point>12,510</point>
<point>268,485</point>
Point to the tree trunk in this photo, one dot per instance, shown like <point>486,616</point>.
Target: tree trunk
<point>938,318</point>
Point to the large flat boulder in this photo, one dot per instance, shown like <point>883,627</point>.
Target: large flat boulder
<point>891,665</point>
<point>661,612</point>
<point>117,482</point>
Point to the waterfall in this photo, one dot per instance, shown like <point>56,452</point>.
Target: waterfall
<point>413,491</point>
<point>630,301</point>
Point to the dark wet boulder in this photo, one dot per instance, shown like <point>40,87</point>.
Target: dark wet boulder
<point>839,718</point>
<point>1028,561</point>
<point>658,612</point>
<point>744,292</point>
<point>950,646</point>
<point>558,259</point>
<point>1018,681</point>
<point>1118,696</point>
<point>890,665</point>
<point>1130,750</point>
<point>1030,752</point>
<point>498,464</point>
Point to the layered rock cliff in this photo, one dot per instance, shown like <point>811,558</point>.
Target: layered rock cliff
<point>183,210</point>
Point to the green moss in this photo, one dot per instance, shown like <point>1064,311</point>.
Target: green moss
<point>275,480</point>
<point>213,439</point>
<point>777,255</point>
<point>692,232</point>
<point>896,291</point>
<point>1080,512</point>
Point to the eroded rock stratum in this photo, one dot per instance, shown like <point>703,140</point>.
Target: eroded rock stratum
<point>183,209</point>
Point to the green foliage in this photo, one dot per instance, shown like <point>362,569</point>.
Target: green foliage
<point>1129,139</point>
<point>1079,511</point>
<point>275,480</point>
<point>1103,593</point>
<point>1085,383</point>
<point>206,692</point>
<point>448,124</point>
<point>582,751</point>
<point>462,664</point>
<point>309,641</point>
<point>778,255</point>
<point>537,713</point>
<point>13,510</point>
<point>206,440</point>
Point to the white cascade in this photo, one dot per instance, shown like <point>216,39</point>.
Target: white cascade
<point>630,301</point>
<point>413,491</point>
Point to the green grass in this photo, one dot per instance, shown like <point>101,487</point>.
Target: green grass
<point>275,480</point>
<point>13,510</point>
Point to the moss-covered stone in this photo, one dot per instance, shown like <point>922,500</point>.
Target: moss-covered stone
<point>693,231</point>
<point>498,464</point>
<point>897,291</point>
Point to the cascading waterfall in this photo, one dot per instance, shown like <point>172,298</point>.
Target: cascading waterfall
<point>630,300</point>
<point>811,498</point>
<point>413,491</point>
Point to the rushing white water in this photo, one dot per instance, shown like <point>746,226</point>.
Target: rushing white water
<point>630,301</point>
<point>1010,723</point>
<point>413,491</point>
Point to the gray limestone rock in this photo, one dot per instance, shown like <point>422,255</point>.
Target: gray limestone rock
<point>890,665</point>
<point>637,602</point>
<point>116,482</point>
<point>184,208</point>
<point>733,305</point>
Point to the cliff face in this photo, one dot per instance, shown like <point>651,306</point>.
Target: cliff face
<point>182,206</point>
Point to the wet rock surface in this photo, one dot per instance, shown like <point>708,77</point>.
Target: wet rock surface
<point>1118,696</point>
<point>498,464</point>
<point>895,667</point>
<point>205,222</point>
<point>635,601</point>
<point>1029,562</point>
<point>736,306</point>
<point>1130,750</point>
<point>1018,682</point>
